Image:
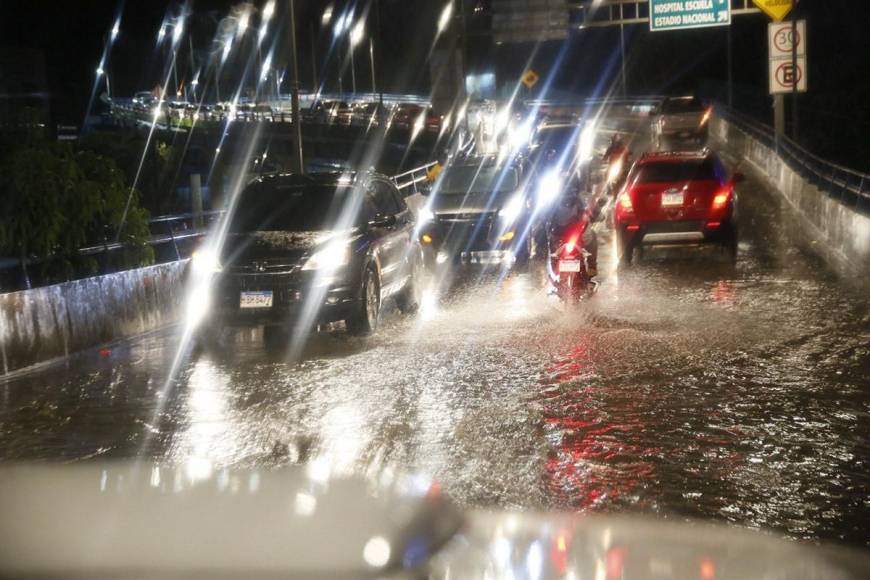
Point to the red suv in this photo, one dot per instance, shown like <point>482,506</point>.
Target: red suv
<point>677,198</point>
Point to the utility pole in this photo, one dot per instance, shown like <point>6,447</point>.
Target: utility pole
<point>352,66</point>
<point>778,117</point>
<point>314,85</point>
<point>381,112</point>
<point>297,119</point>
<point>372,58</point>
<point>794,86</point>
<point>730,68</point>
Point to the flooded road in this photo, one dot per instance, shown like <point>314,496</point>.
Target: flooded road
<point>686,386</point>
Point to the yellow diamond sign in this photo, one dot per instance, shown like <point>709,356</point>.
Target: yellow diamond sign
<point>776,9</point>
<point>530,78</point>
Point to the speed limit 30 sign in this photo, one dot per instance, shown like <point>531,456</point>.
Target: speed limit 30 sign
<point>786,72</point>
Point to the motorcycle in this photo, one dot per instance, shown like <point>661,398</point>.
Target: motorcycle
<point>568,263</point>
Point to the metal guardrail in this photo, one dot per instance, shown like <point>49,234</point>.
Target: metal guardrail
<point>414,176</point>
<point>849,187</point>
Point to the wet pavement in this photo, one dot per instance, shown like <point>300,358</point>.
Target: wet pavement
<point>686,386</point>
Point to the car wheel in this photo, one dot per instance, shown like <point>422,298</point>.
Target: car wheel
<point>365,317</point>
<point>408,300</point>
<point>624,248</point>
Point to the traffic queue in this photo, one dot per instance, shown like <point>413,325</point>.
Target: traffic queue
<point>530,193</point>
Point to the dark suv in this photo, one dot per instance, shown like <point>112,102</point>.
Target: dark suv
<point>319,248</point>
<point>478,212</point>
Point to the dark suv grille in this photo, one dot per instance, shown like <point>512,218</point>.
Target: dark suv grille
<point>281,266</point>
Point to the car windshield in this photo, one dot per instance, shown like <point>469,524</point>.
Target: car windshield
<point>677,106</point>
<point>558,139</point>
<point>666,171</point>
<point>293,208</point>
<point>475,179</point>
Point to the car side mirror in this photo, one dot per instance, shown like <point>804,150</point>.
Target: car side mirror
<point>738,177</point>
<point>383,221</point>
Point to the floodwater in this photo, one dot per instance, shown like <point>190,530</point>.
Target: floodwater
<point>686,386</point>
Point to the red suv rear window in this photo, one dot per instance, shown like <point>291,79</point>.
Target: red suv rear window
<point>664,171</point>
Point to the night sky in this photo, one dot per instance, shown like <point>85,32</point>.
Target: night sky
<point>71,34</point>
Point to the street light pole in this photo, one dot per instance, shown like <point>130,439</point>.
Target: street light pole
<point>294,67</point>
<point>372,58</point>
<point>352,68</point>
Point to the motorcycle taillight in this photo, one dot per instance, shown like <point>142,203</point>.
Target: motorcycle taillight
<point>571,245</point>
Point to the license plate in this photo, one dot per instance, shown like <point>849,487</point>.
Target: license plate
<point>672,198</point>
<point>569,266</point>
<point>262,299</point>
<point>685,134</point>
<point>492,257</point>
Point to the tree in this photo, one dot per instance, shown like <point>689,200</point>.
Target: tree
<point>54,201</point>
<point>156,179</point>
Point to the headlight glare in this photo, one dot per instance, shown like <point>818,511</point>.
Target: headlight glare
<point>512,208</point>
<point>332,257</point>
<point>205,261</point>
<point>426,215</point>
<point>549,187</point>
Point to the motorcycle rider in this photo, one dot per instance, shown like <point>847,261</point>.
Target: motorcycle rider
<point>571,211</point>
<point>616,149</point>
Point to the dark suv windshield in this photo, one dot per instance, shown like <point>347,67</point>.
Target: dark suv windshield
<point>298,208</point>
<point>678,106</point>
<point>665,171</point>
<point>557,138</point>
<point>476,179</point>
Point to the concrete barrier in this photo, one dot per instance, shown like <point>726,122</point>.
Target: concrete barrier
<point>46,323</point>
<point>841,233</point>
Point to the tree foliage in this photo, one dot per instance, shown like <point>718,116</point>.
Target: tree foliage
<point>157,178</point>
<point>55,199</point>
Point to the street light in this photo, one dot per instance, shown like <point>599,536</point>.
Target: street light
<point>243,23</point>
<point>444,19</point>
<point>268,10</point>
<point>356,35</point>
<point>267,64</point>
<point>177,30</point>
<point>327,16</point>
<point>116,29</point>
<point>161,33</point>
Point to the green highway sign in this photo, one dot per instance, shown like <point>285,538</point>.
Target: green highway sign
<point>683,14</point>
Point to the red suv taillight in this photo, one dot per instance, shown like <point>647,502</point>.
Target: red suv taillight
<point>625,202</point>
<point>722,198</point>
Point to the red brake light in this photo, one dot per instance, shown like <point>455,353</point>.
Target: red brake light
<point>721,199</point>
<point>571,244</point>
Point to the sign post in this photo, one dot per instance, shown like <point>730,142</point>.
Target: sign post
<point>685,14</point>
